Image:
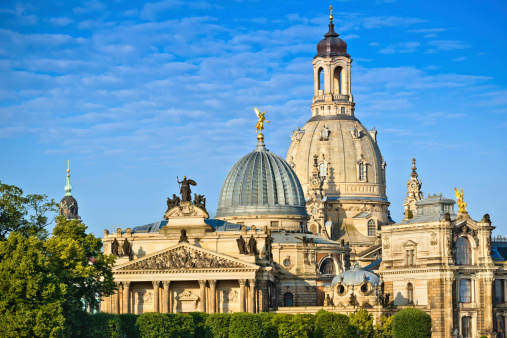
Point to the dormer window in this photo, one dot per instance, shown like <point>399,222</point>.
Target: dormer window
<point>362,171</point>
<point>323,170</point>
<point>372,227</point>
<point>343,110</point>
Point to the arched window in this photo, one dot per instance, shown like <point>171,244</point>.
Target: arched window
<point>316,111</point>
<point>287,299</point>
<point>362,171</point>
<point>323,169</point>
<point>320,75</point>
<point>410,293</point>
<point>343,110</point>
<point>463,252</point>
<point>466,327</point>
<point>327,267</point>
<point>337,80</point>
<point>372,228</point>
<point>499,291</point>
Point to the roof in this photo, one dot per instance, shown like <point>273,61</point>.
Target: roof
<point>152,227</point>
<point>294,237</point>
<point>261,183</point>
<point>356,276</point>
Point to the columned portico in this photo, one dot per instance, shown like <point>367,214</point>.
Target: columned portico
<point>156,285</point>
<point>166,306</point>
<point>126,297</point>
<point>202,295</point>
<point>213,296</point>
<point>251,298</point>
<point>242,283</point>
<point>117,299</point>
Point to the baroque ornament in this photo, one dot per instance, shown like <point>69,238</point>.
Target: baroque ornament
<point>182,258</point>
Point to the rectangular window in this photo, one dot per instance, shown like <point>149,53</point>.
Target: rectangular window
<point>410,257</point>
<point>499,291</point>
<point>466,326</point>
<point>465,291</point>
<point>274,224</point>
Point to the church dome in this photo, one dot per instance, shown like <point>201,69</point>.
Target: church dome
<point>261,183</point>
<point>356,276</point>
<point>331,45</point>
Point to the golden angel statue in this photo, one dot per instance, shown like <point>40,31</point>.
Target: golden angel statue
<point>260,124</point>
<point>461,204</point>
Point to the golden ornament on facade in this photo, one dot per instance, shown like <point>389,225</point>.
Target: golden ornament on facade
<point>459,199</point>
<point>260,124</point>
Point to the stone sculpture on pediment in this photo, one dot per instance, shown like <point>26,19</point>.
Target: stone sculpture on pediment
<point>126,248</point>
<point>200,201</point>
<point>114,247</point>
<point>182,258</point>
<point>242,245</point>
<point>185,191</point>
<point>183,236</point>
<point>252,246</point>
<point>174,202</point>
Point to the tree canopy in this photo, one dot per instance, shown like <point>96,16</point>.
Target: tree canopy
<point>45,280</point>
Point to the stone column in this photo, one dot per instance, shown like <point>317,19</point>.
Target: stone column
<point>488,301</point>
<point>251,298</point>
<point>265,300</point>
<point>202,295</point>
<point>242,283</point>
<point>448,306</point>
<point>165,302</point>
<point>213,296</point>
<point>126,297</point>
<point>116,309</point>
<point>156,285</point>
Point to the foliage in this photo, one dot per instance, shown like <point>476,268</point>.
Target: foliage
<point>182,325</point>
<point>154,325</point>
<point>201,330</point>
<point>300,325</point>
<point>331,325</point>
<point>269,328</point>
<point>103,325</point>
<point>218,324</point>
<point>24,214</point>
<point>411,323</point>
<point>385,328</point>
<point>30,299</point>
<point>362,322</point>
<point>245,325</point>
<point>128,325</point>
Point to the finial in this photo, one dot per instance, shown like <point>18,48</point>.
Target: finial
<point>462,205</point>
<point>68,187</point>
<point>331,14</point>
<point>260,126</point>
<point>414,172</point>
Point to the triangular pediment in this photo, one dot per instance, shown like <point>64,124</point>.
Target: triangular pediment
<point>185,256</point>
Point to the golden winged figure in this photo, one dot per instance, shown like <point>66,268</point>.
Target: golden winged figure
<point>461,204</point>
<point>260,124</point>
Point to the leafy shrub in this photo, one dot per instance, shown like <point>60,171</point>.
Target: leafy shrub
<point>411,323</point>
<point>201,330</point>
<point>218,324</point>
<point>128,325</point>
<point>154,325</point>
<point>362,322</point>
<point>269,329</point>
<point>182,325</point>
<point>300,325</point>
<point>245,325</point>
<point>332,325</point>
<point>103,325</point>
<point>384,328</point>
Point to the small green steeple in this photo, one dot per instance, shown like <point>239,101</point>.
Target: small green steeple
<point>68,187</point>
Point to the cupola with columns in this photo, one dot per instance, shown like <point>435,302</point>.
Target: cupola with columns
<point>331,67</point>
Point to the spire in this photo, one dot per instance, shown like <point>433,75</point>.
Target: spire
<point>68,187</point>
<point>414,172</point>
<point>330,14</point>
<point>331,25</point>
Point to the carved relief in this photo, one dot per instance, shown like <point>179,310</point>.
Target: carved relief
<point>297,135</point>
<point>230,296</point>
<point>433,240</point>
<point>465,230</point>
<point>144,297</point>
<point>355,132</point>
<point>182,258</point>
<point>387,245</point>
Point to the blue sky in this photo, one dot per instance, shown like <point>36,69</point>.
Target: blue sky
<point>137,93</point>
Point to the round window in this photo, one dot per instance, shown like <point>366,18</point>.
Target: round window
<point>341,289</point>
<point>287,263</point>
<point>364,288</point>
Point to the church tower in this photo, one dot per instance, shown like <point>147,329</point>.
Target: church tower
<point>68,204</point>
<point>414,193</point>
<point>336,159</point>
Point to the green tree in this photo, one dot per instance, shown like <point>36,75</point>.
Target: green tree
<point>385,328</point>
<point>77,262</point>
<point>411,323</point>
<point>24,214</point>
<point>30,298</point>
<point>362,322</point>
